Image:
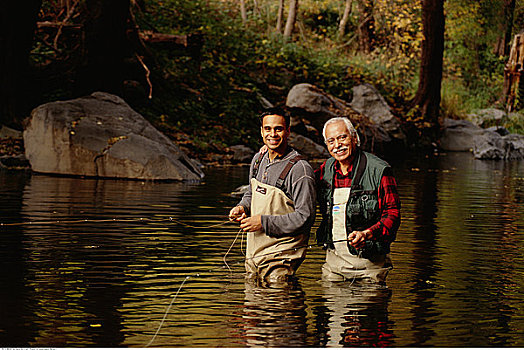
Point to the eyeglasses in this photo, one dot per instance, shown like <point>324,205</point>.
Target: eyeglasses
<point>340,138</point>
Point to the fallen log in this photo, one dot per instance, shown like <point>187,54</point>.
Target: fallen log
<point>191,43</point>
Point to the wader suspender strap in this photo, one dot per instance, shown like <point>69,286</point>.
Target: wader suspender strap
<point>284,173</point>
<point>362,163</point>
<point>256,165</point>
<point>286,170</point>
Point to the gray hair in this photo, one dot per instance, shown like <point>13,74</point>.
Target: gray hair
<point>352,131</point>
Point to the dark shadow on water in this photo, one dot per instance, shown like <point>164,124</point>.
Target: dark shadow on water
<point>15,306</point>
<point>425,252</point>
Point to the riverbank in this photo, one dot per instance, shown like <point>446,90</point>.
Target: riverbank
<point>12,150</point>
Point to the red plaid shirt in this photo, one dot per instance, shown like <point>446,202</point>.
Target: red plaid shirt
<point>388,201</point>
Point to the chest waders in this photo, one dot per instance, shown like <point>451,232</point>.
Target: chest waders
<point>342,260</point>
<point>273,259</point>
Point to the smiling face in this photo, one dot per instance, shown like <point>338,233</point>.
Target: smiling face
<point>275,133</point>
<point>341,145</point>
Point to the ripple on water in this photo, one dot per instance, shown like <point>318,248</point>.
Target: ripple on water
<point>457,277</point>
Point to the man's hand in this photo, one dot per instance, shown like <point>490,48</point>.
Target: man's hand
<point>237,213</point>
<point>357,238</point>
<point>251,224</point>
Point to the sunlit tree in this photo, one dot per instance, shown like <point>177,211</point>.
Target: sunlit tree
<point>291,18</point>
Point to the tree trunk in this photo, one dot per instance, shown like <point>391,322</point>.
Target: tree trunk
<point>256,8</point>
<point>427,98</point>
<point>291,19</point>
<point>366,28</point>
<point>509,10</point>
<point>345,18</point>
<point>17,26</point>
<point>106,46</point>
<point>243,12</point>
<point>280,16</point>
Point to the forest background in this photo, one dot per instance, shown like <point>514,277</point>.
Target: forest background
<point>198,69</point>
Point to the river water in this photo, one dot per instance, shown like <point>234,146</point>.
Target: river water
<point>96,263</point>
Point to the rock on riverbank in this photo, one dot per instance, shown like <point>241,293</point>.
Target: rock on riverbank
<point>100,135</point>
<point>490,143</point>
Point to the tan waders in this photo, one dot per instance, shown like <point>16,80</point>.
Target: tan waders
<point>272,259</point>
<point>340,264</point>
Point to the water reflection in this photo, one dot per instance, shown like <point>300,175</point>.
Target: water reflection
<point>458,277</point>
<point>78,271</point>
<point>425,253</point>
<point>274,317</point>
<point>354,315</point>
<point>453,261</point>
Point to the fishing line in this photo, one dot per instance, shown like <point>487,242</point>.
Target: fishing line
<point>199,227</point>
<point>355,275</point>
<point>184,281</point>
<point>167,310</point>
<point>241,245</point>
<point>231,246</point>
<point>170,219</point>
<point>53,222</point>
<point>232,263</point>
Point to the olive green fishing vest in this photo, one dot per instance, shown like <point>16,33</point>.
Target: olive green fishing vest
<point>362,210</point>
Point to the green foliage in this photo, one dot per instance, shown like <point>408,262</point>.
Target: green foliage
<point>515,122</point>
<point>322,20</point>
<point>240,61</point>
<point>214,97</point>
<point>472,28</point>
<point>454,100</point>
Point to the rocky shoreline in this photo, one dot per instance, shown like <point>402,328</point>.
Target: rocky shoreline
<point>101,136</point>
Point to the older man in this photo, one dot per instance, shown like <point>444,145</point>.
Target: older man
<point>278,210</point>
<point>360,206</point>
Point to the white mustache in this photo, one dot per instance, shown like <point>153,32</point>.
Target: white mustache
<point>341,148</point>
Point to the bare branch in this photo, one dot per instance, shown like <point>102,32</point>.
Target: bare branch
<point>68,16</point>
<point>148,73</point>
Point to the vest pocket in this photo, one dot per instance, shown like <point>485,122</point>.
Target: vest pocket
<point>356,215</point>
<point>363,210</point>
<point>370,203</point>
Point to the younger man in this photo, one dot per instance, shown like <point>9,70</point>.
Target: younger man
<point>278,210</point>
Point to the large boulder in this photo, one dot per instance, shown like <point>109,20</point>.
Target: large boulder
<point>491,145</point>
<point>487,117</point>
<point>369,102</point>
<point>307,147</point>
<point>459,135</point>
<point>313,100</point>
<point>100,135</point>
<point>241,154</point>
<point>316,107</point>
